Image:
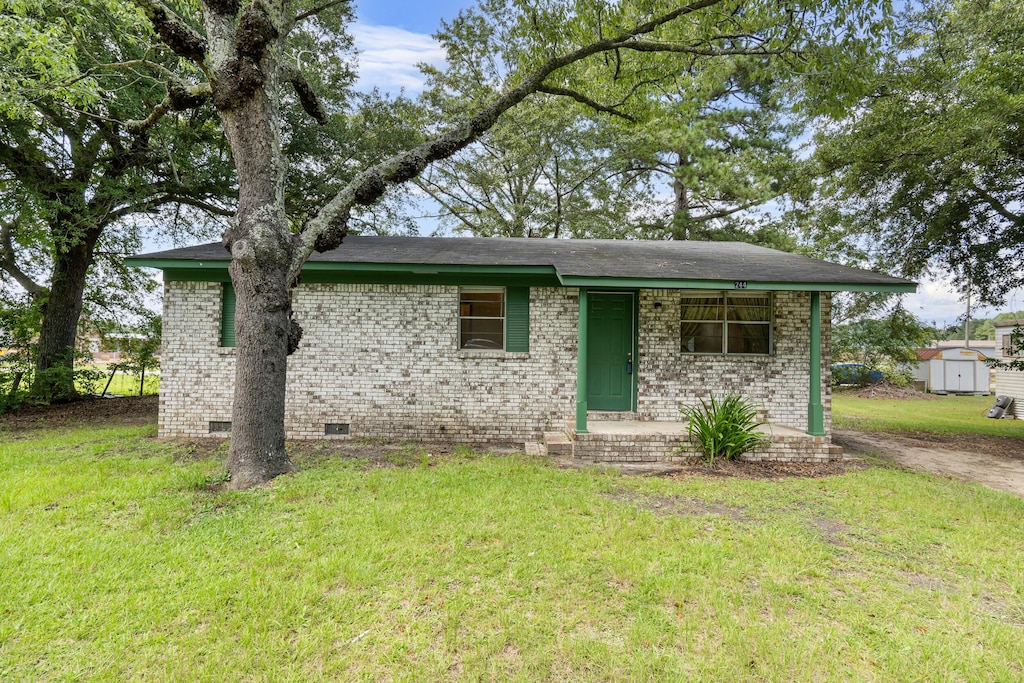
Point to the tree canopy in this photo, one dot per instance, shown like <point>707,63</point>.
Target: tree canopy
<point>81,160</point>
<point>927,172</point>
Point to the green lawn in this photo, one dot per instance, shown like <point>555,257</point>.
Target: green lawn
<point>122,384</point>
<point>948,415</point>
<point>120,561</point>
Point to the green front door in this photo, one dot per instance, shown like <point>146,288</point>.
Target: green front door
<point>610,351</point>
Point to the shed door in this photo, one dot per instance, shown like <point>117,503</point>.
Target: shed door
<point>959,375</point>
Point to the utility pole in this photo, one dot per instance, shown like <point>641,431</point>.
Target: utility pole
<point>967,320</point>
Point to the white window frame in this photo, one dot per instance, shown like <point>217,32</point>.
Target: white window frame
<point>724,320</point>
<point>503,317</point>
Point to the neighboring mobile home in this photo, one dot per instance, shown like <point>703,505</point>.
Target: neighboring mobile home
<point>476,339</point>
<point>1009,382</point>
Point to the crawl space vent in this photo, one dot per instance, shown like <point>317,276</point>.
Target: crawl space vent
<point>335,428</point>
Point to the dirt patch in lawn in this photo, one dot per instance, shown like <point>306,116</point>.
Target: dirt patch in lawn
<point>89,412</point>
<point>962,459</point>
<point>679,505</point>
<point>887,390</point>
<point>370,453</point>
<point>1001,446</point>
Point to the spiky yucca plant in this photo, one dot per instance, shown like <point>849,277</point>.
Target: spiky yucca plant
<point>724,429</point>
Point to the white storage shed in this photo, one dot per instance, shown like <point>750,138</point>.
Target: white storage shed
<point>959,370</point>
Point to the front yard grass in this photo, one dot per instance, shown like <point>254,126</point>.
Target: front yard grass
<point>122,559</point>
<point>932,414</point>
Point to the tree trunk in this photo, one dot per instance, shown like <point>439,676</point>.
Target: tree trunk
<point>54,379</point>
<point>262,319</point>
<point>247,97</point>
<point>680,205</point>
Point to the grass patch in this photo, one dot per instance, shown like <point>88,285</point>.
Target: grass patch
<point>124,560</point>
<point>124,384</point>
<point>939,415</point>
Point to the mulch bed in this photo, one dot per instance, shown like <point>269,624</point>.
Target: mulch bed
<point>887,390</point>
<point>89,411</point>
<point>769,469</point>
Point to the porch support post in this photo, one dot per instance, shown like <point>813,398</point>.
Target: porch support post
<point>815,410</point>
<point>581,364</point>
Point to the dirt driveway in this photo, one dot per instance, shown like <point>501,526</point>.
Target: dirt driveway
<point>1005,474</point>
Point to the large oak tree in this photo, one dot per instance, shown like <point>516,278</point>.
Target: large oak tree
<point>81,156</point>
<point>242,64</point>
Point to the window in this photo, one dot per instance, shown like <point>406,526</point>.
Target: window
<point>482,318</point>
<point>227,315</point>
<point>496,318</point>
<point>1013,343</point>
<point>725,322</point>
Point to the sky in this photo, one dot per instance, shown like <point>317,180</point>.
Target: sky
<point>392,36</point>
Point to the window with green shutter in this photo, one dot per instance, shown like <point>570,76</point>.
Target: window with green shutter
<point>227,315</point>
<point>494,318</point>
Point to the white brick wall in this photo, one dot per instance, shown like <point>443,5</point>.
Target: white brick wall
<point>383,359</point>
<point>778,383</point>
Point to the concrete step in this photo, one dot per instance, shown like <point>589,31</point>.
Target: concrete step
<point>535,448</point>
<point>557,443</point>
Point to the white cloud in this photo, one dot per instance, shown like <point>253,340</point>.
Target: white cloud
<point>388,57</point>
<point>938,301</point>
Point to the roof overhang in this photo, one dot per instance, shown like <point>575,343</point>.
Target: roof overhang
<point>539,276</point>
<point>595,264</point>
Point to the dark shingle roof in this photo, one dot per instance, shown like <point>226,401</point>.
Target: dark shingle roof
<point>634,259</point>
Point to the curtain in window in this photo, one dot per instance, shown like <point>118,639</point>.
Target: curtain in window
<point>749,324</point>
<point>701,324</point>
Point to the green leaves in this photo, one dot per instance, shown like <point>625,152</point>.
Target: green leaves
<point>724,429</point>
<point>930,166</point>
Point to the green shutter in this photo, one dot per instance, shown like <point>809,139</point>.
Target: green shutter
<point>227,316</point>
<point>517,318</point>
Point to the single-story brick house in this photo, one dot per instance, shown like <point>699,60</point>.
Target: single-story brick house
<point>493,339</point>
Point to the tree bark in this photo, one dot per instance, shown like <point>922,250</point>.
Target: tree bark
<point>247,97</point>
<point>54,377</point>
<point>262,321</point>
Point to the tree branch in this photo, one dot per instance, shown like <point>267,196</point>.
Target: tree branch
<point>656,46</point>
<point>173,30</point>
<point>9,264</point>
<point>317,10</point>
<point>328,227</point>
<point>584,100</point>
<point>179,97</point>
<point>156,202</point>
<point>128,65</point>
<point>307,96</point>
<point>996,205</point>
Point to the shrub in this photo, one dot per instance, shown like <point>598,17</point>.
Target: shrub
<point>724,429</point>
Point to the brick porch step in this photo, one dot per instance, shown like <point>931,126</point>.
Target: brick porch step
<point>557,443</point>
